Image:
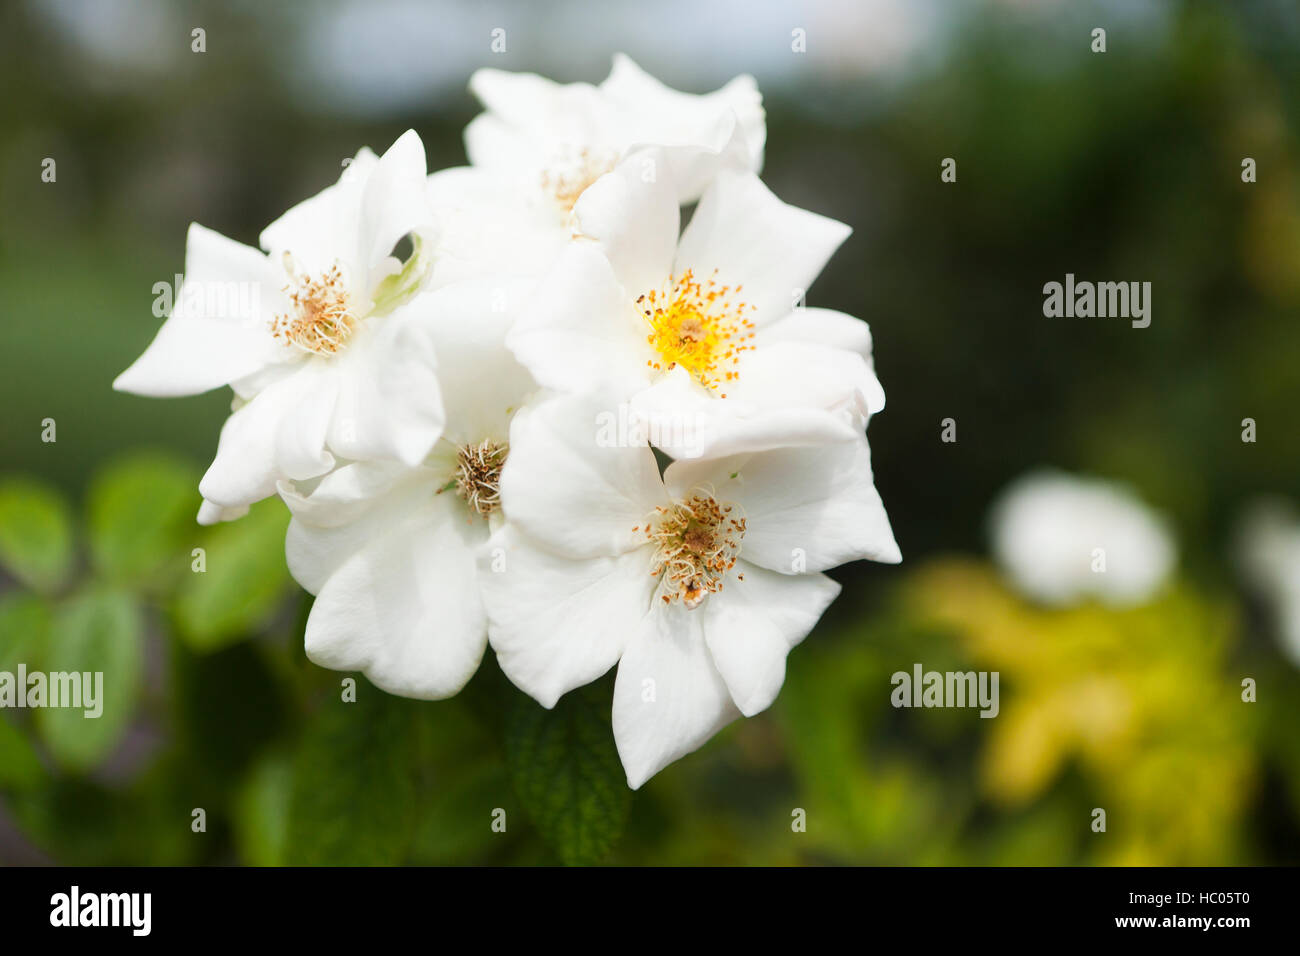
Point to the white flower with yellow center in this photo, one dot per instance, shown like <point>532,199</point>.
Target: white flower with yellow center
<point>390,550</point>
<point>556,140</point>
<point>697,583</point>
<point>318,335</point>
<point>704,334</point>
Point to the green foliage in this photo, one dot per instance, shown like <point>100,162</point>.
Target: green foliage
<point>99,630</point>
<point>352,801</point>
<point>567,772</point>
<point>36,542</point>
<point>244,581</point>
<point>141,519</point>
<point>262,811</point>
<point>24,631</point>
<point>19,765</point>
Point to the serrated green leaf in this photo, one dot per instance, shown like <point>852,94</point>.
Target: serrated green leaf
<point>141,514</point>
<point>36,540</point>
<point>20,768</point>
<point>243,583</point>
<point>567,773</point>
<point>99,631</point>
<point>353,798</point>
<point>24,631</point>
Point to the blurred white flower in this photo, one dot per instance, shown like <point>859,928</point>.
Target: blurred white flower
<point>1268,551</point>
<point>707,327</point>
<point>1062,539</point>
<point>294,331</point>
<point>698,583</point>
<point>389,550</point>
<point>558,139</point>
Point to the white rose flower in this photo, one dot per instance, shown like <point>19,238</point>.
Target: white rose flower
<point>703,333</point>
<point>557,139</point>
<point>389,550</point>
<point>698,583</point>
<point>1268,550</point>
<point>1063,539</point>
<point>316,336</point>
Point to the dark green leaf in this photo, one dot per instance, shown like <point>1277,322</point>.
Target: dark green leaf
<point>567,773</point>
<point>353,798</point>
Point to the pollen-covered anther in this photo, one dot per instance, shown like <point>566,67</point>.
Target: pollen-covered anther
<point>700,325</point>
<point>697,541</point>
<point>321,319</point>
<point>478,475</point>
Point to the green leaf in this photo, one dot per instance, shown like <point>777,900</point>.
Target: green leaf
<point>243,583</point>
<point>141,513</point>
<point>36,541</point>
<point>24,631</point>
<point>19,765</point>
<point>567,773</point>
<point>353,797</point>
<point>97,632</point>
<point>262,811</point>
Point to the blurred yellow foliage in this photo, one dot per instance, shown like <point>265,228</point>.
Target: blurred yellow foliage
<point>1138,700</point>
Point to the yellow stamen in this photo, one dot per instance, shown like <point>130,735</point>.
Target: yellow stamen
<point>697,543</point>
<point>322,320</point>
<point>700,325</point>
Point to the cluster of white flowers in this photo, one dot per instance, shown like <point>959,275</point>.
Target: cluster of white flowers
<point>470,439</point>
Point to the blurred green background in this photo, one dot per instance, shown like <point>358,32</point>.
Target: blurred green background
<point>1117,166</point>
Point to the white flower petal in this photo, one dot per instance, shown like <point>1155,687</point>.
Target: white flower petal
<point>686,421</point>
<point>394,203</point>
<point>350,506</point>
<point>210,513</point>
<point>405,608</point>
<point>771,249</point>
<point>323,230</point>
<point>218,330</point>
<point>529,116</point>
<point>481,381</point>
<point>279,434</point>
<point>806,509</point>
<point>632,213</point>
<point>673,118</point>
<point>821,327</point>
<point>557,623</point>
<point>581,330</point>
<point>752,624</point>
<point>570,488</point>
<point>669,699</point>
<point>389,403</point>
<point>489,225</point>
<point>783,374</point>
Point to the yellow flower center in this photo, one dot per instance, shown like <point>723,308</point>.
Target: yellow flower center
<point>699,325</point>
<point>696,543</point>
<point>320,320</point>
